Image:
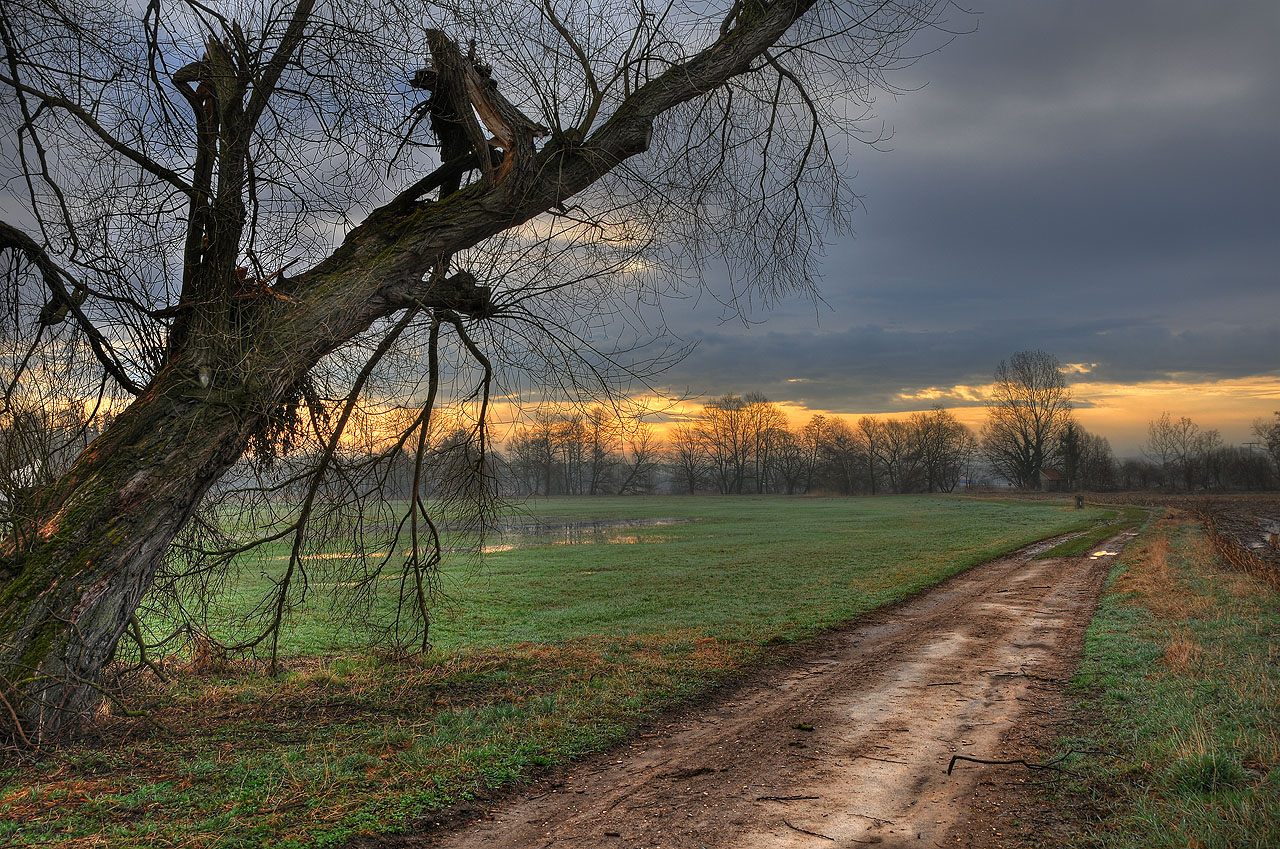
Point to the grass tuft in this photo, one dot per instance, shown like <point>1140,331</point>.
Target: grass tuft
<point>1207,772</point>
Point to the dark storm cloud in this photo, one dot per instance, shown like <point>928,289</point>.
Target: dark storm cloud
<point>1099,180</point>
<point>856,370</point>
<point>1125,152</point>
<point>870,368</point>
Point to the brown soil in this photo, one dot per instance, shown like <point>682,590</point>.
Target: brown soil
<point>848,744</point>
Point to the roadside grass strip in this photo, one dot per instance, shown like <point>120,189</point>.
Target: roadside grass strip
<point>1109,524</point>
<point>541,655</point>
<point>1179,699</point>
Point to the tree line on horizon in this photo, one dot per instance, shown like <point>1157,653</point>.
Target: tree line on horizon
<point>737,445</point>
<point>745,444</point>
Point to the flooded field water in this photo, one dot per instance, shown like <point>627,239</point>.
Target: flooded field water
<point>528,533</point>
<point>517,534</point>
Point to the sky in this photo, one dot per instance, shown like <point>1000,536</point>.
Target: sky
<point>1097,180</point>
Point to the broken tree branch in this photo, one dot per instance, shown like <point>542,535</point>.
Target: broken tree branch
<point>1051,765</point>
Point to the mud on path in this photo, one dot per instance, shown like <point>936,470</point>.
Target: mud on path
<point>846,745</point>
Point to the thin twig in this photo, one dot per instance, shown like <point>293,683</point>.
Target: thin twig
<point>135,631</point>
<point>807,831</point>
<point>17,723</point>
<point>882,760</point>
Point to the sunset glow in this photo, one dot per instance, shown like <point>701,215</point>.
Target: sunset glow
<point>1120,412</point>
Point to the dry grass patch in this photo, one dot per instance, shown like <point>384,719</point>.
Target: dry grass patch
<point>1183,653</point>
<point>333,743</point>
<point>1151,581</point>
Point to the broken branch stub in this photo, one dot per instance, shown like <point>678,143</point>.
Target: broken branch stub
<point>462,89</point>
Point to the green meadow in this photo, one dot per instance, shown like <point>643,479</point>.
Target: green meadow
<point>741,568</point>
<point>542,652</point>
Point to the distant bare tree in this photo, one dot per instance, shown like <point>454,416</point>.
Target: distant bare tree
<point>1268,433</point>
<point>687,459</point>
<point>1086,459</point>
<point>871,438</point>
<point>1030,405</point>
<point>533,455</point>
<point>811,439</point>
<point>900,456</point>
<point>725,435</point>
<point>571,448</point>
<point>740,436</point>
<point>640,460</point>
<point>1096,465</point>
<point>769,433</point>
<point>834,454</point>
<point>1180,448</point>
<point>944,446</point>
<point>603,431</point>
<point>788,462</point>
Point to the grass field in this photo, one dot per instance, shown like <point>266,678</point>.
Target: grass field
<point>540,655</point>
<point>1179,697</point>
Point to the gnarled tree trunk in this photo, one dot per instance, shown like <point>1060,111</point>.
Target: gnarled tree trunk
<point>98,537</point>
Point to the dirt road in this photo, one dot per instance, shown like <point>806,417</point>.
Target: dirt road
<point>848,744</point>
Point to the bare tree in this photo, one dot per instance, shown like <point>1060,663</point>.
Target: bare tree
<point>571,446</point>
<point>944,447</point>
<point>687,459</point>
<point>1095,465</point>
<point>900,455</point>
<point>603,437</point>
<point>726,437</point>
<point>533,455</point>
<point>1161,447</point>
<point>738,435</point>
<point>832,458</point>
<point>1180,448</point>
<point>639,462</point>
<point>1030,405</point>
<point>788,462</point>
<point>1268,433</point>
<point>871,440</point>
<point>567,452</point>
<point>765,423</point>
<point>811,438</point>
<point>243,226</point>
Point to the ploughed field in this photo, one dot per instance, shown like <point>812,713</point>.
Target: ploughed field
<point>1245,529</point>
<point>585,619</point>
